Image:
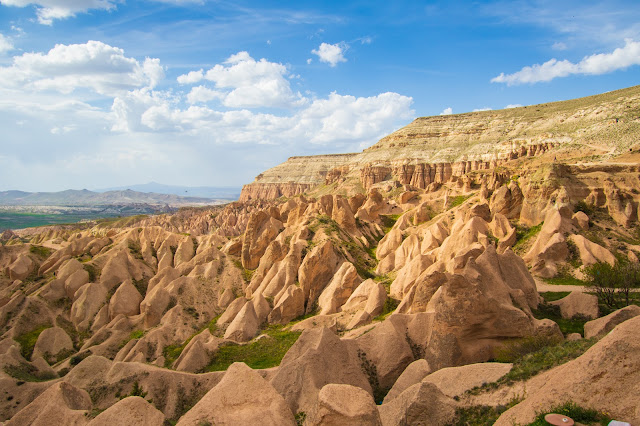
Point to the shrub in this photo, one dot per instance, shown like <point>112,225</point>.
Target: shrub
<point>613,284</point>
<point>575,412</point>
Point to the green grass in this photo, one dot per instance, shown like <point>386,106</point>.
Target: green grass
<point>390,306</point>
<point>552,296</point>
<point>578,414</point>
<point>564,278</point>
<point>40,251</point>
<point>388,220</point>
<point>172,352</point>
<point>28,341</point>
<point>264,353</point>
<point>525,234</point>
<point>552,312</point>
<point>480,415</point>
<point>457,200</point>
<point>27,373</point>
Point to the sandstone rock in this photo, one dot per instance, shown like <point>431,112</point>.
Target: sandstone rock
<point>226,298</point>
<point>605,324</point>
<point>339,289</point>
<point>387,348</point>
<point>389,243</point>
<point>20,268</point>
<point>289,306</point>
<point>132,410</point>
<point>358,299</point>
<point>573,337</point>
<point>578,303</point>
<point>244,326</point>
<point>480,210</point>
<point>261,230</point>
<point>75,281</point>
<point>420,404</point>
<point>580,220</point>
<point>89,299</point>
<point>317,321</point>
<point>242,397</point>
<point>51,342</point>
<point>116,270</point>
<point>345,405</point>
<point>548,328</point>
<point>232,310</point>
<point>454,381</point>
<point>317,358</point>
<point>414,373</point>
<point>316,271</point>
<point>198,352</point>
<point>126,300</point>
<point>61,404</point>
<point>591,252</point>
<point>604,378</point>
<point>261,308</point>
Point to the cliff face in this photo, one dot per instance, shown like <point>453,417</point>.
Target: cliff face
<point>437,149</point>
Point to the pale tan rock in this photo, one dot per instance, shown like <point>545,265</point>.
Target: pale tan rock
<point>548,328</point>
<point>414,373</point>
<point>116,270</point>
<point>242,397</point>
<point>61,404</point>
<point>605,324</point>
<point>132,410</point>
<point>454,381</point>
<point>198,352</point>
<point>317,358</point>
<point>261,230</point>
<point>232,310</point>
<point>360,296</point>
<point>389,243</point>
<point>420,404</point>
<point>21,268</point>
<point>408,275</point>
<point>244,326</point>
<point>89,299</point>
<point>317,270</point>
<point>337,292</point>
<point>184,252</point>
<point>226,298</point>
<point>126,300</point>
<point>69,268</point>
<point>261,308</point>
<point>386,347</point>
<point>289,306</point>
<point>604,378</point>
<point>345,405</point>
<point>573,337</point>
<point>75,281</point>
<point>580,220</point>
<point>480,210</point>
<point>590,252</point>
<point>578,303</point>
<point>317,321</point>
<point>51,342</point>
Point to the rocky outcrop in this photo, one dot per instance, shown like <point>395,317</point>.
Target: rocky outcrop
<point>61,404</point>
<point>345,405</point>
<point>607,323</point>
<point>132,410</point>
<point>420,404</point>
<point>578,303</point>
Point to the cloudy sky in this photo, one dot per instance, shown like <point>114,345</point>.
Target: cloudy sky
<point>103,93</point>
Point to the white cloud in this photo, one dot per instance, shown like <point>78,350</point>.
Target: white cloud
<point>331,53</point>
<point>93,65</point>
<point>5,44</point>
<point>309,61</point>
<point>597,64</point>
<point>447,111</point>
<point>247,83</point>
<point>482,109</point>
<point>512,106</point>
<point>559,46</point>
<point>191,77</point>
<point>202,94</point>
<point>48,10</point>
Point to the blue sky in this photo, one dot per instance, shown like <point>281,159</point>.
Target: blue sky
<point>100,93</point>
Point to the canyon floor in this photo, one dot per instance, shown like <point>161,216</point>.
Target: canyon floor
<point>424,281</point>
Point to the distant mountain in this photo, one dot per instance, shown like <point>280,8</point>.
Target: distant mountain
<point>85,197</point>
<point>214,192</point>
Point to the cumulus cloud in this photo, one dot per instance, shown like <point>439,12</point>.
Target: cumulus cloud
<point>512,106</point>
<point>5,44</point>
<point>48,10</point>
<point>482,109</point>
<point>247,83</point>
<point>596,64</point>
<point>93,65</point>
<point>331,53</point>
<point>559,46</point>
<point>447,111</point>
<point>202,94</point>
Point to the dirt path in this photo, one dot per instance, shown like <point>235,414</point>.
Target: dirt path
<point>542,287</point>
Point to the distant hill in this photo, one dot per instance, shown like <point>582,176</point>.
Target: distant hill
<point>214,192</point>
<point>87,198</point>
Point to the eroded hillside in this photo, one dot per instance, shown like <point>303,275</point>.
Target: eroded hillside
<point>395,282</point>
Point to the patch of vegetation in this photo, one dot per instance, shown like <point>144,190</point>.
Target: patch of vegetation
<point>613,284</point>
<point>552,296</point>
<point>575,412</point>
<point>564,277</point>
<point>40,251</point>
<point>574,255</point>
<point>525,234</point>
<point>247,274</point>
<point>388,220</point>
<point>390,306</point>
<point>172,352</point>
<point>457,200</point>
<point>93,272</point>
<point>552,312</point>
<point>27,373</point>
<point>543,358</point>
<point>28,340</point>
<point>141,285</point>
<point>135,249</point>
<point>582,206</point>
<point>518,348</point>
<point>480,415</point>
<point>300,417</point>
<point>371,372</point>
<point>135,391</point>
<point>77,359</point>
<point>263,353</point>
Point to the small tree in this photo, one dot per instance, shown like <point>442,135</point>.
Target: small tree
<point>629,278</point>
<point>613,282</point>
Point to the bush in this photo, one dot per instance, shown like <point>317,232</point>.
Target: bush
<point>575,412</point>
<point>613,284</point>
